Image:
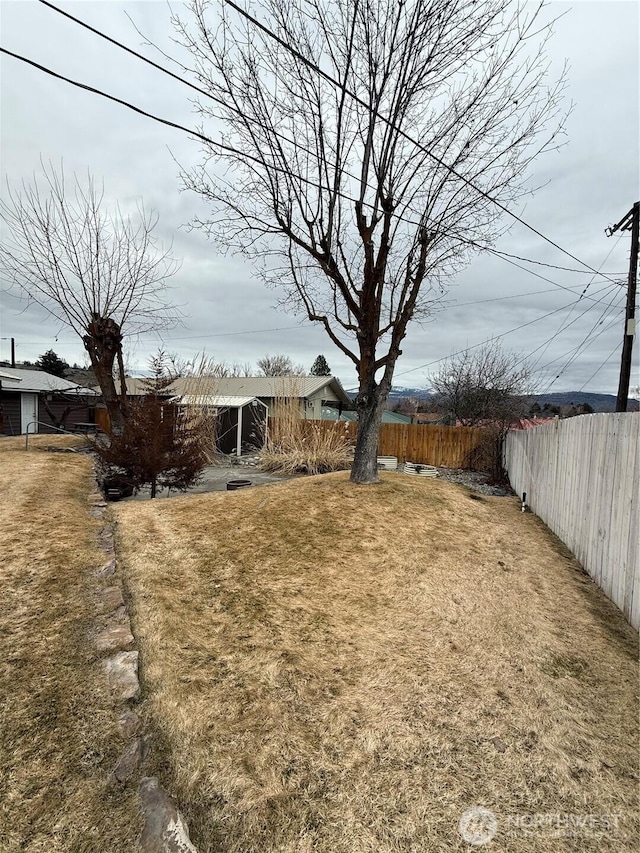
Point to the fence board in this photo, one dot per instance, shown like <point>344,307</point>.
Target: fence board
<point>444,446</point>
<point>581,478</point>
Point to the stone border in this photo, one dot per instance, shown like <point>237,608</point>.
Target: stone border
<point>165,829</point>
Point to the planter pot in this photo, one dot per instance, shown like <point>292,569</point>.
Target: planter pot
<point>233,485</point>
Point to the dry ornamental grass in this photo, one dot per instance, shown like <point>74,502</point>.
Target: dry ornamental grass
<point>294,445</point>
<point>348,669</point>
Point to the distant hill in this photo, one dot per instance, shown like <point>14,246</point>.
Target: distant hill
<point>598,402</point>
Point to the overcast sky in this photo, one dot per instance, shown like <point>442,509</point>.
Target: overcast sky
<point>589,184</point>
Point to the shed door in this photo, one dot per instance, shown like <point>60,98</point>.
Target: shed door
<point>29,412</point>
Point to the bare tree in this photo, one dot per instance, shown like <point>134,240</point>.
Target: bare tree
<point>93,270</point>
<point>363,193</point>
<point>483,386</point>
<point>279,365</point>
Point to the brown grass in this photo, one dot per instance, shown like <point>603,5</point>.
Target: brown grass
<point>338,668</point>
<point>57,728</point>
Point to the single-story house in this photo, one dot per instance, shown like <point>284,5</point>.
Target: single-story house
<point>38,402</point>
<point>312,392</point>
<point>388,417</point>
<point>245,401</point>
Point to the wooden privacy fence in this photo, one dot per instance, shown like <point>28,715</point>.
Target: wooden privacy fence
<point>581,478</point>
<point>447,447</point>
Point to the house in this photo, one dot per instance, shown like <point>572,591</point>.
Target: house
<point>311,391</point>
<point>40,402</point>
<point>244,402</point>
<point>388,417</point>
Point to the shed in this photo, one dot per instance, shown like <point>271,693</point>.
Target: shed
<point>241,420</point>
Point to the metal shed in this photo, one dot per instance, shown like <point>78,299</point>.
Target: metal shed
<point>241,420</point>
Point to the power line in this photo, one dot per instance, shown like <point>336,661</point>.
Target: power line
<point>565,322</point>
<point>334,82</point>
<point>488,340</point>
<point>582,346</point>
<point>604,363</point>
<point>502,298</point>
<point>234,334</point>
<point>575,351</point>
<point>230,149</point>
<point>314,67</point>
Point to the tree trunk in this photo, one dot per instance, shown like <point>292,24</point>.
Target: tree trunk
<point>103,342</point>
<point>154,486</point>
<point>370,404</point>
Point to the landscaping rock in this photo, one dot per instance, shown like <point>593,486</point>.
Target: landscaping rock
<point>165,830</point>
<point>129,723</point>
<point>110,598</point>
<point>115,636</point>
<point>122,675</point>
<point>130,760</point>
<point>108,569</point>
<point>106,538</point>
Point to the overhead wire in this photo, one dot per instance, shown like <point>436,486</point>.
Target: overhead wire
<point>565,323</point>
<point>504,255</point>
<point>336,83</point>
<point>227,148</point>
<point>208,94</point>
<point>487,340</point>
<point>604,363</point>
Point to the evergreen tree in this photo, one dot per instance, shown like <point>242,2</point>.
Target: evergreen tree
<point>50,362</point>
<point>320,367</point>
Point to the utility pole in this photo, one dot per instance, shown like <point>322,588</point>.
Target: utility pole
<point>629,222</point>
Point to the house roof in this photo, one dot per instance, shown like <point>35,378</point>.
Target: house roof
<point>37,381</point>
<point>331,414</point>
<point>252,386</point>
<point>216,401</point>
<point>428,417</point>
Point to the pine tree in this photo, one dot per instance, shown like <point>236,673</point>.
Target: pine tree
<point>320,367</point>
<point>50,362</point>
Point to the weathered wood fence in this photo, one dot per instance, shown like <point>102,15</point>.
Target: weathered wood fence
<point>448,447</point>
<point>581,478</point>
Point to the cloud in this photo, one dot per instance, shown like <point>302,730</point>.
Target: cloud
<point>585,187</point>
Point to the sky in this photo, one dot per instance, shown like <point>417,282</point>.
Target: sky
<point>589,184</point>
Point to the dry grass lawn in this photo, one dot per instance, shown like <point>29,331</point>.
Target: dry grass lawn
<point>57,733</point>
<point>348,669</point>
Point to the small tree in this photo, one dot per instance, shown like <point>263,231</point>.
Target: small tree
<point>163,445</point>
<point>320,367</point>
<point>279,365</point>
<point>51,363</point>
